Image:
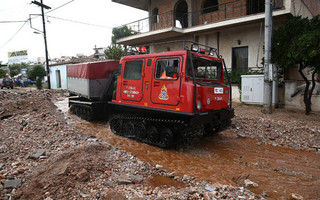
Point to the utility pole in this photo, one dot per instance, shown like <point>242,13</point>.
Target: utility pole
<point>45,37</point>
<point>268,76</point>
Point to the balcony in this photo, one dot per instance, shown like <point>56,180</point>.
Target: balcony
<point>174,22</point>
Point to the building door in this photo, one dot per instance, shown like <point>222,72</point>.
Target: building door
<point>181,14</point>
<point>132,81</point>
<point>58,77</point>
<point>240,58</point>
<point>166,82</point>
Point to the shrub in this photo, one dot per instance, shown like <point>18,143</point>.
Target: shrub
<point>39,83</point>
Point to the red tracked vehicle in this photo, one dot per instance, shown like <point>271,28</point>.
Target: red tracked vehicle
<point>163,98</point>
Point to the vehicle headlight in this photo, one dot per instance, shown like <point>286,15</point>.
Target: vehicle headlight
<point>199,105</point>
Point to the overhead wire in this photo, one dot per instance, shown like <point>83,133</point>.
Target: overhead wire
<point>59,7</point>
<point>14,34</point>
<point>54,9</point>
<point>59,18</point>
<point>79,22</point>
<point>29,19</point>
<point>20,21</point>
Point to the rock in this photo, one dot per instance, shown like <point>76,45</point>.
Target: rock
<point>1,165</point>
<point>136,179</point>
<point>21,170</point>
<point>63,170</point>
<point>172,174</point>
<point>210,188</point>
<point>40,152</point>
<point>47,194</point>
<point>241,135</point>
<point>186,177</point>
<point>294,196</point>
<point>12,183</point>
<point>83,175</point>
<point>259,143</point>
<point>112,195</point>
<point>43,157</point>
<point>159,166</point>
<point>24,123</point>
<point>109,184</point>
<point>93,140</point>
<point>192,190</point>
<point>124,182</point>
<point>249,184</point>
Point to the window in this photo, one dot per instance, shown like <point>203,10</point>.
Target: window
<point>210,6</point>
<point>255,6</point>
<point>155,16</point>
<point>181,14</point>
<point>132,70</point>
<point>240,58</point>
<point>205,69</point>
<point>167,68</point>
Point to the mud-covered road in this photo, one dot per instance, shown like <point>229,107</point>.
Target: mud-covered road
<point>48,153</point>
<point>230,157</point>
<point>222,158</point>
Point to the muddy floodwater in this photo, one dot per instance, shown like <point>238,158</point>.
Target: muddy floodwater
<point>226,159</point>
<point>223,158</point>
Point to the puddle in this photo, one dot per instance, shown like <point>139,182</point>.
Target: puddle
<point>160,181</point>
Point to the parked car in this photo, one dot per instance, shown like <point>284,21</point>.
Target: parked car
<point>7,82</point>
<point>31,82</point>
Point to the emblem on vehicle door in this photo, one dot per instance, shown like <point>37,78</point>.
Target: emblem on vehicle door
<point>208,101</point>
<point>163,93</point>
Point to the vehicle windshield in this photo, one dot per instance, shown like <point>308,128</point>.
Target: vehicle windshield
<point>205,69</point>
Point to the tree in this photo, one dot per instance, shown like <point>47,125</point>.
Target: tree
<point>39,83</point>
<point>297,43</point>
<point>114,52</point>
<point>2,73</point>
<point>16,68</point>
<point>36,71</point>
<point>121,32</point>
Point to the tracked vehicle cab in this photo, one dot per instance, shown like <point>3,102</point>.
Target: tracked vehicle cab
<point>162,97</point>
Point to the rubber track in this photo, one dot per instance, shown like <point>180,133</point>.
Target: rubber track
<point>181,131</point>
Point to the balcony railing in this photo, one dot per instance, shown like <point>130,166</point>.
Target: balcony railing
<point>230,10</point>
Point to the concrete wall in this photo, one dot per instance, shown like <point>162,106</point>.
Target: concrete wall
<point>63,76</point>
<point>298,7</point>
<point>296,102</point>
<point>235,93</point>
<point>242,36</point>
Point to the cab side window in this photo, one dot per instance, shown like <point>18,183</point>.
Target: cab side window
<point>132,70</point>
<point>167,68</point>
